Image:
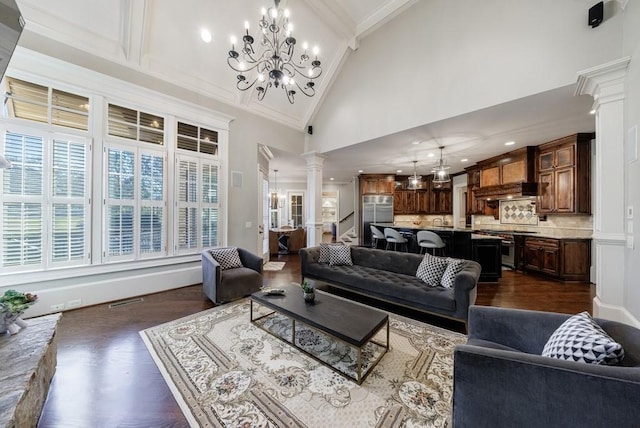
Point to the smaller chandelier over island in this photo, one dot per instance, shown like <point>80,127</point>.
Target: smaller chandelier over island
<point>273,62</point>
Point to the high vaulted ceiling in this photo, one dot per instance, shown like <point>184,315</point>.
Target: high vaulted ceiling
<point>162,39</point>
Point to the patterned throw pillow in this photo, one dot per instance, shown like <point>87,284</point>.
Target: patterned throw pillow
<point>340,255</point>
<point>454,267</point>
<point>324,252</point>
<point>227,258</point>
<point>579,338</point>
<point>431,269</point>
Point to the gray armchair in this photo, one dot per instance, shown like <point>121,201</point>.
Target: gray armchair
<point>501,380</point>
<point>226,285</point>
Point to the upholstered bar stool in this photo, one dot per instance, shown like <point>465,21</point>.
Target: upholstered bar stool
<point>394,237</point>
<point>430,241</point>
<point>376,236</point>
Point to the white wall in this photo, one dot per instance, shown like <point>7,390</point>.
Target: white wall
<point>632,190</point>
<point>443,58</point>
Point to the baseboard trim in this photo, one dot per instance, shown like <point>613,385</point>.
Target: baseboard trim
<point>104,290</point>
<point>615,313</point>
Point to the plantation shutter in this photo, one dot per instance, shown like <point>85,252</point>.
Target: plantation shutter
<point>70,202</point>
<point>187,188</point>
<point>152,204</point>
<point>120,203</point>
<point>22,201</point>
<point>210,173</point>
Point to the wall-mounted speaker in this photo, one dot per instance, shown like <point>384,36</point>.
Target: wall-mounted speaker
<point>310,130</point>
<point>236,179</point>
<point>596,14</point>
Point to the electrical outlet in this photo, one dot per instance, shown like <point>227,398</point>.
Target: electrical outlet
<point>74,303</point>
<point>58,307</point>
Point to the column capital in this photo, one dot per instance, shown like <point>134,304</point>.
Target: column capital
<point>314,158</point>
<point>604,79</point>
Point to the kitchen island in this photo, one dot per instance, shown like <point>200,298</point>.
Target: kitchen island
<point>461,243</point>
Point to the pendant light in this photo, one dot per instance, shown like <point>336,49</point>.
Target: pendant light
<point>414,182</point>
<point>441,171</point>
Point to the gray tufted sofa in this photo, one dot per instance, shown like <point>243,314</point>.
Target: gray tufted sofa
<point>391,276</point>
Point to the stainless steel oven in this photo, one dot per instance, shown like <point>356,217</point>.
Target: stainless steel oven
<point>508,252</point>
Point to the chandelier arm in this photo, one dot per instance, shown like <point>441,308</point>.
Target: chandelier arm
<point>239,70</point>
<point>304,89</point>
<point>289,93</point>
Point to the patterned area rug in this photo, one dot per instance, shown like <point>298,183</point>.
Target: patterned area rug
<point>225,371</point>
<point>273,266</point>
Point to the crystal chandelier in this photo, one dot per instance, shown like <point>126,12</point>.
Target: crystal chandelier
<point>441,171</point>
<point>273,64</point>
<point>414,181</point>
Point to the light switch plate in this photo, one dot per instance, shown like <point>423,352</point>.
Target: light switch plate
<point>630,242</point>
<point>629,227</point>
<point>248,225</point>
<point>630,211</point>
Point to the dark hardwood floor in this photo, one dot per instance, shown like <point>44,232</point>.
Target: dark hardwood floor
<point>106,377</point>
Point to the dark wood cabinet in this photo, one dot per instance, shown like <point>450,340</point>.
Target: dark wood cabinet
<point>377,184</point>
<point>564,175</point>
<point>566,259</point>
<point>429,198</point>
<point>440,197</point>
<point>488,252</point>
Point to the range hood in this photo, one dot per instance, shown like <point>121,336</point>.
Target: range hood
<point>507,191</point>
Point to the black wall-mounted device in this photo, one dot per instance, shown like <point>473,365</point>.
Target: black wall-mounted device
<point>310,130</point>
<point>596,13</point>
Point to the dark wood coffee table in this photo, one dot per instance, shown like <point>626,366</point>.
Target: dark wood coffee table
<point>351,323</point>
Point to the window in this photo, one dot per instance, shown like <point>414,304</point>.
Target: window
<point>198,207</point>
<point>197,139</point>
<point>296,209</point>
<point>135,219</point>
<point>135,125</point>
<point>39,103</point>
<point>44,221</point>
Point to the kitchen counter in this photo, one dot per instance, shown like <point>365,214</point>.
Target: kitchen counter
<point>460,243</point>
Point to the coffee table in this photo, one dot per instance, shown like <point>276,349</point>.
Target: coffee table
<point>351,323</point>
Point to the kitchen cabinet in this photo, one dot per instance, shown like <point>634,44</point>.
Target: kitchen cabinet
<point>564,175</point>
<point>565,259</point>
<point>488,252</point>
<point>440,197</point>
<point>377,184</point>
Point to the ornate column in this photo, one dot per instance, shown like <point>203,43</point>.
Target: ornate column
<point>606,84</point>
<point>314,197</point>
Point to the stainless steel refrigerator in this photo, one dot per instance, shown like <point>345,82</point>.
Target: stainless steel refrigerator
<point>375,209</point>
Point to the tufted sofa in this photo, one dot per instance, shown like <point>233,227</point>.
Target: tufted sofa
<point>391,276</point>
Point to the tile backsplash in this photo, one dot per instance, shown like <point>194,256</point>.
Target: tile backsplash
<point>518,211</point>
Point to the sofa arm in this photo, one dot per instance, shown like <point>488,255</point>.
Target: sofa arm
<point>465,288</point>
<point>525,390</point>
<point>211,274</point>
<point>525,330</point>
<point>250,260</point>
<point>307,256</point>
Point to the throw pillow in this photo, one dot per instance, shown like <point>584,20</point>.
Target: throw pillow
<point>581,339</point>
<point>340,255</point>
<point>431,269</point>
<point>454,267</point>
<point>324,252</point>
<point>227,258</point>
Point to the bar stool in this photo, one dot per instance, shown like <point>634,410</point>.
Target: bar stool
<point>394,237</point>
<point>376,236</point>
<point>429,240</point>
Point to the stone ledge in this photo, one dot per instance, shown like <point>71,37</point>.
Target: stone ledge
<point>28,364</point>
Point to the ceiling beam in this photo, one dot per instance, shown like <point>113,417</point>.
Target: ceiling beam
<point>133,29</point>
<point>336,18</point>
<point>381,16</point>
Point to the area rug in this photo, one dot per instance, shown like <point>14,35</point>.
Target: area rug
<point>225,371</point>
<point>273,266</point>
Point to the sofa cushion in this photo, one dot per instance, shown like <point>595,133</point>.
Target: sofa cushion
<point>431,269</point>
<point>454,267</point>
<point>340,255</point>
<point>579,338</point>
<point>324,252</point>
<point>227,258</point>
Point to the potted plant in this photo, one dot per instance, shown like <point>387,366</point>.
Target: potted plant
<point>12,306</point>
<point>308,291</point>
